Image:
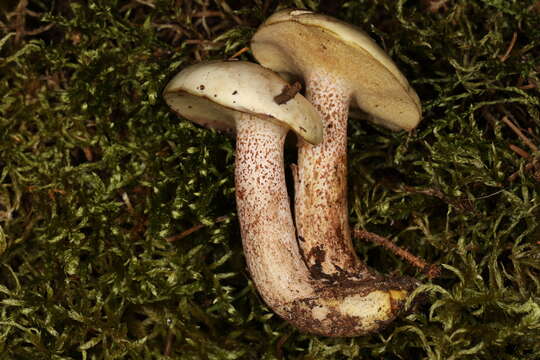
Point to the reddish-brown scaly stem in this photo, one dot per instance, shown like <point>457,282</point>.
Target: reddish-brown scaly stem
<point>321,185</point>
<point>346,307</point>
<point>264,213</point>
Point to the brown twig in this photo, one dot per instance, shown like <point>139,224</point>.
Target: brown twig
<point>191,230</point>
<point>19,24</point>
<point>20,20</point>
<point>88,153</point>
<point>238,53</point>
<point>527,87</point>
<point>208,13</point>
<point>39,30</point>
<point>169,343</point>
<point>198,42</point>
<point>510,47</point>
<point>533,164</point>
<point>518,132</point>
<point>431,270</point>
<point>519,151</point>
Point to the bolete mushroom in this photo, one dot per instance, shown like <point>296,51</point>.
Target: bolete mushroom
<point>340,66</point>
<point>241,96</point>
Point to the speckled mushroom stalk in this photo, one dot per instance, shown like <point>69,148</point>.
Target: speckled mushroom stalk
<point>346,308</point>
<point>340,66</point>
<point>240,96</point>
<point>268,233</point>
<point>321,207</point>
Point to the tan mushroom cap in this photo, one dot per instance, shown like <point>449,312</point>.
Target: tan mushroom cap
<point>302,43</point>
<point>216,93</point>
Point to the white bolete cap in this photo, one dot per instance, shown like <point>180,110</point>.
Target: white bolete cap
<point>300,42</point>
<point>215,94</point>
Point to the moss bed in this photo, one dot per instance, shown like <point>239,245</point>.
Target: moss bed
<point>118,232</point>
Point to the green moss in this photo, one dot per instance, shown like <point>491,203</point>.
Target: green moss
<point>96,174</point>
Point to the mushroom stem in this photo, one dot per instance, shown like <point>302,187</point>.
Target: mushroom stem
<point>268,232</point>
<point>345,307</point>
<point>338,63</point>
<point>321,187</point>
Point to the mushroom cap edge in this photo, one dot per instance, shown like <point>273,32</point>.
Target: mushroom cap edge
<point>215,94</point>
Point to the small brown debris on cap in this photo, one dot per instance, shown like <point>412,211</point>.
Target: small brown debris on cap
<point>288,92</point>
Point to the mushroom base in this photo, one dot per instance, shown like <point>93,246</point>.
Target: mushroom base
<point>354,310</point>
